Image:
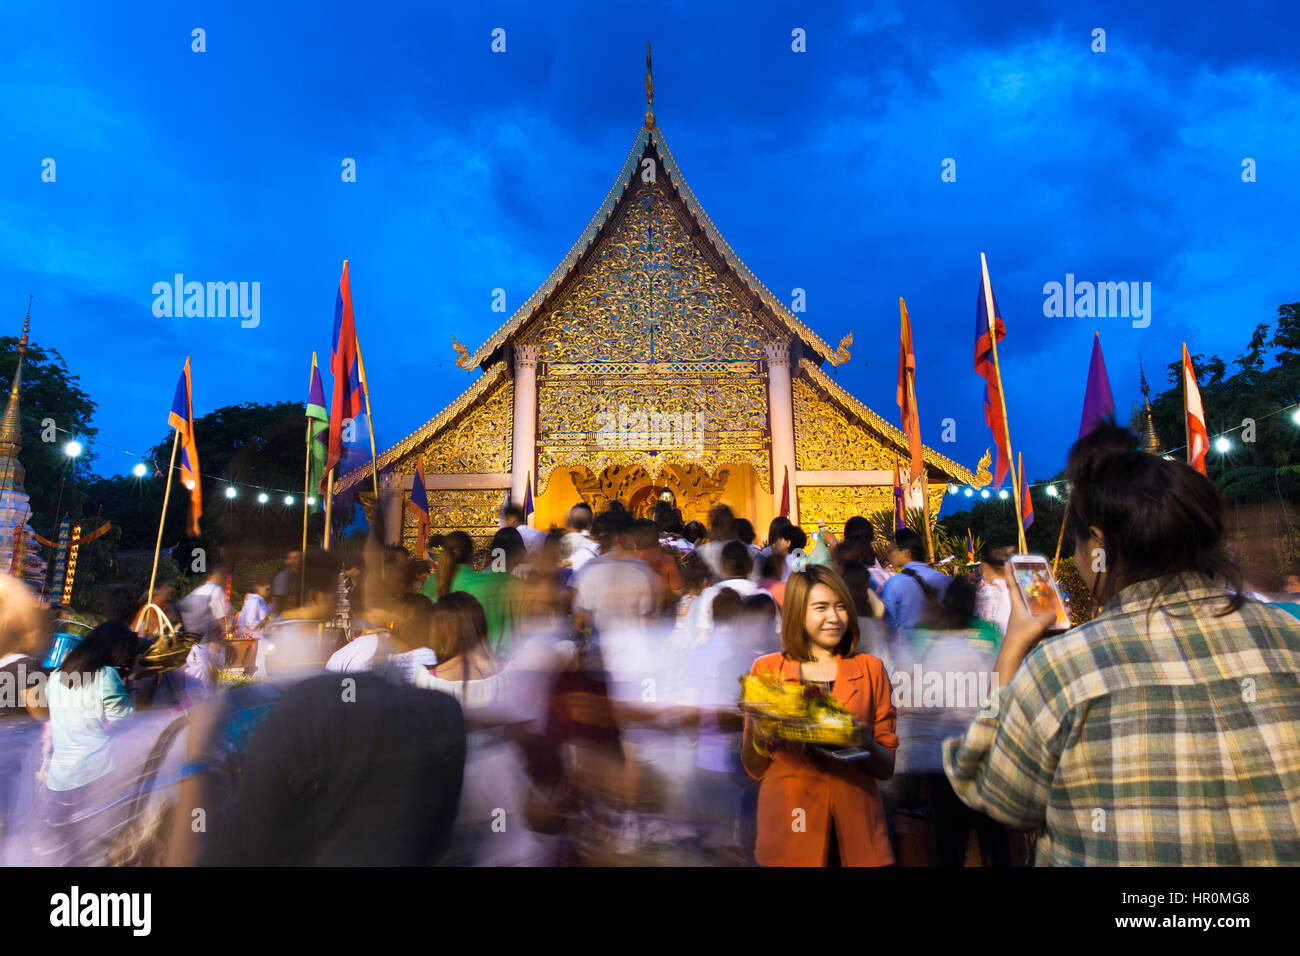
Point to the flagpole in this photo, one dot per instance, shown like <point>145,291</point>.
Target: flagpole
<point>306,488</point>
<point>1060,538</point>
<point>329,508</point>
<point>909,376</point>
<point>991,318</point>
<point>1187,426</point>
<point>167,494</point>
<point>370,425</point>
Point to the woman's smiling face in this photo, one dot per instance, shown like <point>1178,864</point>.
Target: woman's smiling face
<point>827,617</point>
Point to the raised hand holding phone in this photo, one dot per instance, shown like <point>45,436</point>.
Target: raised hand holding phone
<point>1024,630</point>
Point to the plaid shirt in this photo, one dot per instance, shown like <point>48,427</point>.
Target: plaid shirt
<point>1157,734</point>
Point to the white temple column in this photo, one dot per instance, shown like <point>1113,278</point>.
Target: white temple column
<point>393,495</point>
<point>781,415</point>
<point>523,449</point>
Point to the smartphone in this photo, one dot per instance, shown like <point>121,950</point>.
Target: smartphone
<point>850,753</point>
<point>1033,576</point>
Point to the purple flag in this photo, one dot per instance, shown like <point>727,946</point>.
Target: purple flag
<point>1097,401</point>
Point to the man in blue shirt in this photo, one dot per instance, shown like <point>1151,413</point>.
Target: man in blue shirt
<point>905,593</point>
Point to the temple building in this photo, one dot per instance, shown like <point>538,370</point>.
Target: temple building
<point>653,365</point>
<point>15,507</point>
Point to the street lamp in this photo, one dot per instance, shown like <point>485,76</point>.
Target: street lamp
<point>1051,491</point>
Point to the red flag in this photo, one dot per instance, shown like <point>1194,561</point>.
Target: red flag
<point>986,336</point>
<point>1198,439</point>
<point>785,492</point>
<point>907,392</point>
<point>348,402</point>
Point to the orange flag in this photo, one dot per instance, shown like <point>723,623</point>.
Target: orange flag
<point>1198,439</point>
<point>907,392</point>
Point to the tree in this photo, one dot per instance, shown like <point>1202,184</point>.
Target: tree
<point>50,394</point>
<point>248,447</point>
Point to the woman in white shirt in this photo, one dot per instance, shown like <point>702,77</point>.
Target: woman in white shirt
<point>86,696</point>
<point>490,825</point>
<point>993,602</point>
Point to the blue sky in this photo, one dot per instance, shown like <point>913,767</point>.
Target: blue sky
<point>478,170</point>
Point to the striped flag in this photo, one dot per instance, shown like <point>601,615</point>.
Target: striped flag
<point>348,402</point>
<point>970,547</point>
<point>1198,438</point>
<point>181,418</point>
<point>906,394</point>
<point>419,504</point>
<point>1026,502</point>
<point>318,431</point>
<point>985,338</point>
<point>528,498</point>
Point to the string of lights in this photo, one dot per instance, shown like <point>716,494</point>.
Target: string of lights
<point>263,494</point>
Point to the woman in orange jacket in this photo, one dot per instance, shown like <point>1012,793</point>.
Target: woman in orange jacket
<point>814,809</point>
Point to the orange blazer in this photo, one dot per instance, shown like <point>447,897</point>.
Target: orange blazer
<point>824,788</point>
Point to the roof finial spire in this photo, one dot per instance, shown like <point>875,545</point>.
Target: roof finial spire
<point>1150,440</point>
<point>27,326</point>
<point>649,92</point>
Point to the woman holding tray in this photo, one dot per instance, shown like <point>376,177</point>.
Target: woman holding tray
<point>814,808</point>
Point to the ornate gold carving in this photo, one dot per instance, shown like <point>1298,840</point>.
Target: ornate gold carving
<point>479,441</point>
<point>693,488</point>
<point>842,350</point>
<point>842,406</point>
<point>476,512</point>
<point>648,294</point>
<point>837,504</point>
<point>463,358</point>
<point>483,384</point>
<point>982,474</point>
<point>826,439</point>
<point>652,415</point>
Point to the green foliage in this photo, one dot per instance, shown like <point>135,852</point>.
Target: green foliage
<point>49,391</point>
<point>255,444</point>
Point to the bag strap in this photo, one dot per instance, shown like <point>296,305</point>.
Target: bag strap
<point>931,595</point>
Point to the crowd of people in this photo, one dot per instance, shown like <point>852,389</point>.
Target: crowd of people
<point>573,697</point>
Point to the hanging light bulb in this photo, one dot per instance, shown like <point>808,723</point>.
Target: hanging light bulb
<point>139,470</point>
<point>263,498</point>
<point>230,491</point>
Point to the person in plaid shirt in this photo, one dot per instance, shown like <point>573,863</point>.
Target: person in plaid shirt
<point>1167,730</point>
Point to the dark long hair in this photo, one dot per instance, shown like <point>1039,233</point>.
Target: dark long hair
<point>1157,517</point>
<point>457,549</point>
<point>111,644</point>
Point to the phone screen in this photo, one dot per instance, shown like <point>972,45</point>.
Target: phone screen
<point>1034,578</point>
